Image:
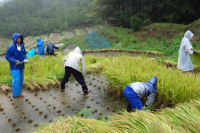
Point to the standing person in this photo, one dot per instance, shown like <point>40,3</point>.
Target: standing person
<point>186,49</point>
<point>50,48</point>
<point>134,92</point>
<point>72,64</point>
<point>16,55</point>
<point>40,46</point>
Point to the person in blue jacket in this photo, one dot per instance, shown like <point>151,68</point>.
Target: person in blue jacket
<point>40,46</point>
<point>50,48</point>
<point>134,92</point>
<point>16,55</point>
<point>31,53</point>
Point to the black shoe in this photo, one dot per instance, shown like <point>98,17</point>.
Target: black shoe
<point>129,108</point>
<point>85,91</point>
<point>62,90</point>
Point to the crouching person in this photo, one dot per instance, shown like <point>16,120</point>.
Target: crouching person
<point>72,64</point>
<point>134,92</point>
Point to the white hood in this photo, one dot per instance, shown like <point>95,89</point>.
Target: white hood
<point>77,50</point>
<point>189,34</point>
<point>75,59</point>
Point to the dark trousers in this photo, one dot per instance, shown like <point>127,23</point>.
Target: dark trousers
<point>78,76</point>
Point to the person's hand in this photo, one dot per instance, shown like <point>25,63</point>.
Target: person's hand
<point>17,62</point>
<point>25,61</point>
<point>194,52</point>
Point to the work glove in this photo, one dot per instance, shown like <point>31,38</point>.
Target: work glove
<point>25,61</point>
<point>17,63</point>
<point>194,52</point>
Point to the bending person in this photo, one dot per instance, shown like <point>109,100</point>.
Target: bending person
<point>72,64</point>
<point>134,92</point>
<point>50,49</point>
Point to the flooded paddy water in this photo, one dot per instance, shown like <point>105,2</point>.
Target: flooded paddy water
<point>42,107</point>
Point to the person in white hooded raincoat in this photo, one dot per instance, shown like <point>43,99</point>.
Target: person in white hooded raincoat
<point>72,64</point>
<point>186,49</point>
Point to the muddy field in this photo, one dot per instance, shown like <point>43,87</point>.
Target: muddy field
<point>37,108</point>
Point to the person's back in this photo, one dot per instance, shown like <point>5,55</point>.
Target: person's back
<point>72,64</point>
<point>184,60</point>
<point>74,59</point>
<point>138,90</point>
<point>50,49</point>
<point>40,46</point>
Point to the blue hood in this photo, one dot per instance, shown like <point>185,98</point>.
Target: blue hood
<point>38,39</point>
<point>15,36</point>
<point>153,81</point>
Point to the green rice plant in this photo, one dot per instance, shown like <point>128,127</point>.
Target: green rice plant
<point>39,72</point>
<point>85,113</point>
<point>184,119</point>
<point>174,86</point>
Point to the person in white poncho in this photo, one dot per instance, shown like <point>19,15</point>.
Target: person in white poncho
<point>186,49</point>
<point>72,64</point>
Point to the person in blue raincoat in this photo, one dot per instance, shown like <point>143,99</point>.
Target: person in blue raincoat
<point>134,92</point>
<point>40,46</point>
<point>31,53</point>
<point>16,55</point>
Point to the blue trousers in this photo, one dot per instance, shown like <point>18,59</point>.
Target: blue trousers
<point>132,98</point>
<point>17,81</point>
<point>40,52</point>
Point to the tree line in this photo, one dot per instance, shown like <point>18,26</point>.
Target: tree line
<point>136,13</point>
<point>33,17</point>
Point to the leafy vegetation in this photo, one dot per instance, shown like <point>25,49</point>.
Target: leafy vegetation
<point>128,13</point>
<point>36,17</point>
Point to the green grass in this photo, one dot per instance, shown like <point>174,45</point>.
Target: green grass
<point>159,39</point>
<point>77,40</point>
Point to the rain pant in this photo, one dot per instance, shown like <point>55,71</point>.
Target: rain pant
<point>17,71</point>
<point>186,49</point>
<point>132,98</point>
<point>17,82</point>
<point>40,46</point>
<point>31,53</point>
<point>74,59</point>
<point>136,91</point>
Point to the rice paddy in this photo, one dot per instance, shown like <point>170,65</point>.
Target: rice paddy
<point>176,109</point>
